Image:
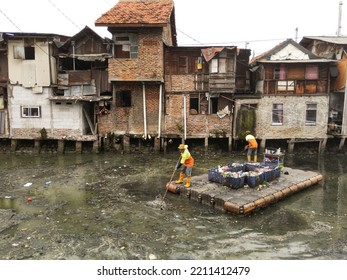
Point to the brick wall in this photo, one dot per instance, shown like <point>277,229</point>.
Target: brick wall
<point>148,65</point>
<point>130,120</point>
<point>179,83</point>
<point>197,125</point>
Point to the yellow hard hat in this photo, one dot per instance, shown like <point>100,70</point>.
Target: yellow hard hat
<point>182,147</point>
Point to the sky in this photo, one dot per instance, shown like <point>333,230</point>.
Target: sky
<point>258,25</point>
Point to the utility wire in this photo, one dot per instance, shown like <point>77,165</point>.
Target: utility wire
<point>64,15</point>
<point>10,20</point>
<point>36,44</point>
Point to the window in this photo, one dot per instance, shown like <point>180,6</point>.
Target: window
<point>123,98</point>
<point>200,104</point>
<point>126,45</point>
<point>134,51</point>
<point>277,114</point>
<point>311,72</point>
<point>31,111</point>
<point>285,86</point>
<point>20,52</point>
<point>183,64</point>
<point>194,105</point>
<point>311,114</point>
<point>213,105</point>
<point>214,65</point>
<point>280,72</point>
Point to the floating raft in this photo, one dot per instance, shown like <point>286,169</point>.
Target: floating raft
<point>246,199</point>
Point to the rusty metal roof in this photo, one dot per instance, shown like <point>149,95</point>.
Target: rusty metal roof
<point>337,40</point>
<point>211,52</point>
<point>77,98</point>
<point>138,12</point>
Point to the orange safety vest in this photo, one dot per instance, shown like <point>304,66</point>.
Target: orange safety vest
<point>186,158</point>
<point>252,143</point>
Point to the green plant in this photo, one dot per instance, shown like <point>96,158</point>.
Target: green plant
<point>43,133</point>
<point>180,127</point>
<point>111,137</point>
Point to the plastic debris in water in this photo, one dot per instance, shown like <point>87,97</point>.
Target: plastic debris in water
<point>158,203</point>
<point>28,184</point>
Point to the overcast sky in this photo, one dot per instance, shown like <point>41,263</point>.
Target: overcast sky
<point>259,25</point>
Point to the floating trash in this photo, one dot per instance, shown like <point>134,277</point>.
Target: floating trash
<point>158,203</point>
<point>28,184</point>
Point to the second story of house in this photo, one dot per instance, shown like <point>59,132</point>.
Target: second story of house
<point>290,69</point>
<point>140,29</point>
<point>200,83</point>
<point>82,66</point>
<point>31,59</point>
<point>331,47</point>
<point>216,70</point>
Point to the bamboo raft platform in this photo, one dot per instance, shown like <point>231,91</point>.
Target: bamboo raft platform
<point>246,200</point>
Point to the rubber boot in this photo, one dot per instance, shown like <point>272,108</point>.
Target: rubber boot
<point>180,180</point>
<point>249,158</point>
<point>187,185</point>
<point>255,158</point>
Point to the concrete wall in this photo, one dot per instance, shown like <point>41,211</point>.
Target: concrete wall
<point>63,120</point>
<point>294,117</point>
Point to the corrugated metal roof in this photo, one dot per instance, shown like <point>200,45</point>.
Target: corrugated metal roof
<point>338,40</point>
<point>323,60</point>
<point>77,98</point>
<point>211,52</point>
<point>138,12</point>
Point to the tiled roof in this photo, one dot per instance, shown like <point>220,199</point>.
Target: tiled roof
<point>137,12</point>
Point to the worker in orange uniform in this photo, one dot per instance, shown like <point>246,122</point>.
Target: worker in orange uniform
<point>188,162</point>
<point>252,147</point>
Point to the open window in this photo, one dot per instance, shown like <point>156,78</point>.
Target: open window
<point>203,103</point>
<point>123,98</point>
<point>25,53</point>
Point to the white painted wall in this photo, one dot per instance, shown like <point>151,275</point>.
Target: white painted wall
<point>31,73</point>
<point>53,116</point>
<point>289,52</point>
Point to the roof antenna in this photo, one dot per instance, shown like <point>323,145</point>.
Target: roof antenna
<point>340,18</point>
<point>296,34</point>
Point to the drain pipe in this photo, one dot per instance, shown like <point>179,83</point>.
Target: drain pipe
<point>160,108</point>
<point>144,111</point>
<point>73,55</point>
<point>185,116</point>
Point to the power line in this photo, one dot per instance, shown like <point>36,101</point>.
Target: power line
<point>242,42</point>
<point>64,15</point>
<point>10,20</point>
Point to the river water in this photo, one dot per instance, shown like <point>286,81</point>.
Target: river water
<point>95,206</point>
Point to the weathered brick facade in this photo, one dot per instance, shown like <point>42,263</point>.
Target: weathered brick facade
<point>149,64</point>
<point>130,120</point>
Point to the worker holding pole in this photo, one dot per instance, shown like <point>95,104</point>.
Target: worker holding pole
<point>188,162</point>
